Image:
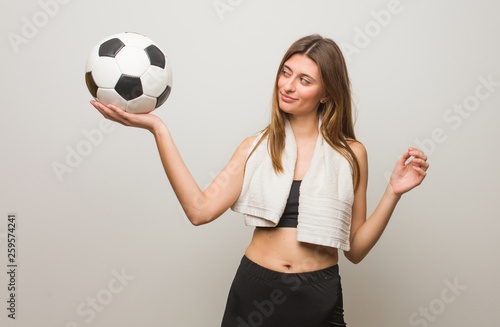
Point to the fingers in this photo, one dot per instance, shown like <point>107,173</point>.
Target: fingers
<point>105,111</point>
<point>417,153</point>
<point>419,159</point>
<point>112,112</point>
<point>421,172</point>
<point>420,165</point>
<point>403,158</point>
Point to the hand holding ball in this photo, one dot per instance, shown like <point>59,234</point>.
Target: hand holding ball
<point>130,71</point>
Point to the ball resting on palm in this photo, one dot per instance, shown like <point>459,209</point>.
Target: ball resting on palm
<point>129,71</point>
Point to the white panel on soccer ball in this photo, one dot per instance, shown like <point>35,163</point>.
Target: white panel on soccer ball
<point>94,54</point>
<point>109,96</point>
<point>141,105</point>
<point>154,81</point>
<point>106,72</point>
<point>168,67</point>
<point>132,61</point>
<point>136,40</point>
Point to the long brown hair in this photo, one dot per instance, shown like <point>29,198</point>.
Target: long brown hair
<point>335,113</point>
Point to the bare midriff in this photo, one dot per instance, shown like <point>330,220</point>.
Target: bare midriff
<point>278,249</point>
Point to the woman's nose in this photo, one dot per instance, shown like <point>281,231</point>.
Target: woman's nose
<point>290,85</point>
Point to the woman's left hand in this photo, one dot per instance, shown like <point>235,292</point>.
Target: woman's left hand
<point>405,177</point>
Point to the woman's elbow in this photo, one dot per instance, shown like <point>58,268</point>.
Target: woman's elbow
<point>197,220</point>
<point>355,261</point>
<point>353,258</point>
<point>202,215</point>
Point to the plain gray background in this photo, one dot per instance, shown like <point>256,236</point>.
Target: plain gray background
<point>418,70</point>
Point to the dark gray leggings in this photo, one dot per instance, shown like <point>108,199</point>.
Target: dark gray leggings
<point>266,298</point>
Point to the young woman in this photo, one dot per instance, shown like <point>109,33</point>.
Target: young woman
<point>302,183</point>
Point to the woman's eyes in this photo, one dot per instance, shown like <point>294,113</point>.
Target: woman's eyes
<point>302,79</point>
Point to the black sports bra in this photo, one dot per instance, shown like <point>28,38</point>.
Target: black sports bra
<point>289,217</point>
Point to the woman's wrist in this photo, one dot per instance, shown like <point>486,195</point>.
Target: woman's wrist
<point>158,128</point>
<point>390,194</point>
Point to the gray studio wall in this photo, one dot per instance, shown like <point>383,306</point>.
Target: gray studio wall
<point>106,243</point>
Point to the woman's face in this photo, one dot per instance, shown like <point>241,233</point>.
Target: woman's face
<point>299,86</point>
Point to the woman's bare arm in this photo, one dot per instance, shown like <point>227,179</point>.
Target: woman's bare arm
<point>366,233</point>
<point>201,207</point>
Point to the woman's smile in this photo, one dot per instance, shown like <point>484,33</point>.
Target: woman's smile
<point>287,98</point>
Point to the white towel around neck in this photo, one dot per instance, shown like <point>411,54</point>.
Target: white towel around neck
<point>326,192</point>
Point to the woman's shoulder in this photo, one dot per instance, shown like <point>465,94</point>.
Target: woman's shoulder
<point>262,134</point>
<point>357,147</point>
<point>245,145</point>
<point>250,139</point>
<point>352,142</point>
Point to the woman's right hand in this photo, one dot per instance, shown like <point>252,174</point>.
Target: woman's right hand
<point>146,121</point>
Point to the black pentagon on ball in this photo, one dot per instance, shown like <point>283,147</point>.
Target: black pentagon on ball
<point>110,48</point>
<point>91,85</point>
<point>129,87</point>
<point>163,97</point>
<point>156,57</point>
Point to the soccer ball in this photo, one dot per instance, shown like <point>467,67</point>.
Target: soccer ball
<point>129,71</point>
